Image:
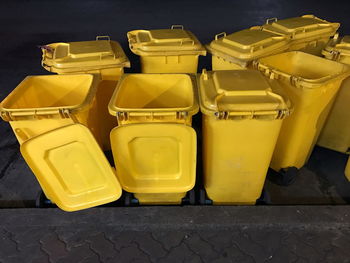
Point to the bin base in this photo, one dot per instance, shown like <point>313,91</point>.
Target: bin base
<point>284,177</point>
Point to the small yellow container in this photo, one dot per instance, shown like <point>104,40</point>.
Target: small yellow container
<point>242,117</point>
<point>49,115</point>
<point>238,50</point>
<point>308,33</point>
<point>335,134</point>
<point>311,83</point>
<point>172,50</point>
<point>100,57</point>
<point>154,146</point>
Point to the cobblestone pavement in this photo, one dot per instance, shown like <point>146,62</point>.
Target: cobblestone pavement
<point>182,234</point>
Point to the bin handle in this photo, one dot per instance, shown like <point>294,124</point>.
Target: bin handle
<point>177,27</point>
<point>103,37</point>
<point>222,34</point>
<point>269,20</point>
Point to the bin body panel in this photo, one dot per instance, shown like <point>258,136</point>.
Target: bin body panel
<point>172,50</point>
<point>347,170</point>
<point>71,168</point>
<point>242,116</point>
<point>218,63</point>
<point>335,134</point>
<point>160,199</point>
<point>169,64</point>
<point>311,83</point>
<point>236,157</point>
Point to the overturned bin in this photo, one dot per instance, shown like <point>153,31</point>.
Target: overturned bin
<point>154,145</point>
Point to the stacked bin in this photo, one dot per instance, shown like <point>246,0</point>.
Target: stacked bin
<point>311,83</point>
<point>49,116</point>
<point>102,57</point>
<point>242,117</point>
<point>172,50</point>
<point>238,50</point>
<point>307,33</point>
<point>154,145</point>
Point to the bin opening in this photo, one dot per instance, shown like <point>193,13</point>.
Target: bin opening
<point>154,91</point>
<point>303,65</point>
<point>50,91</point>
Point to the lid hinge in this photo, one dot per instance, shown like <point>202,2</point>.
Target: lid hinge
<point>6,116</point>
<point>335,55</point>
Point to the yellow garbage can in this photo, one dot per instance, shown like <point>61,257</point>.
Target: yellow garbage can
<point>102,57</point>
<point>242,116</point>
<point>311,83</point>
<point>335,134</point>
<point>347,170</point>
<point>154,145</point>
<point>239,49</point>
<point>49,116</point>
<point>307,33</point>
<point>172,50</point>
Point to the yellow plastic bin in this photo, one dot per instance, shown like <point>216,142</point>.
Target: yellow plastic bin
<point>239,49</point>
<point>335,134</point>
<point>102,57</point>
<point>242,117</point>
<point>154,146</point>
<point>311,83</point>
<point>172,50</point>
<point>308,33</point>
<point>347,170</point>
<point>49,115</point>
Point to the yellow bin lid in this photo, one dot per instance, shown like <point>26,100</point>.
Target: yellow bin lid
<point>71,168</point>
<point>241,94</point>
<point>162,42</point>
<point>247,44</point>
<point>155,158</point>
<point>84,55</point>
<point>337,47</point>
<point>306,26</point>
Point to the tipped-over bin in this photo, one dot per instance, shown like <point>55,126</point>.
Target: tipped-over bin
<point>154,145</point>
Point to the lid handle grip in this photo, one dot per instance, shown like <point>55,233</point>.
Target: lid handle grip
<point>271,20</point>
<point>220,35</point>
<point>103,38</point>
<point>177,27</point>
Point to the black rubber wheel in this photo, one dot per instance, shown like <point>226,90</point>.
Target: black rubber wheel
<point>264,199</point>
<point>127,199</point>
<point>40,200</point>
<point>284,177</point>
<point>192,197</point>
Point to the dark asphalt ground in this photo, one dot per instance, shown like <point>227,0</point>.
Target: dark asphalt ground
<point>170,234</point>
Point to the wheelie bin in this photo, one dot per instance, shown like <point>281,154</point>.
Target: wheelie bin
<point>335,134</point>
<point>102,57</point>
<point>307,33</point>
<point>154,145</point>
<point>311,83</point>
<point>50,116</point>
<point>239,49</point>
<point>172,50</point>
<point>242,113</point>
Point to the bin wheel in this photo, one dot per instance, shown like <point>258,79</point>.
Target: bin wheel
<point>42,201</point>
<point>264,199</point>
<point>284,177</point>
<point>192,197</point>
<point>127,199</point>
<point>203,200</point>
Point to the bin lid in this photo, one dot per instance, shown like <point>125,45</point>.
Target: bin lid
<point>71,168</point>
<point>160,42</point>
<point>247,44</point>
<point>241,93</point>
<point>302,27</point>
<point>84,55</point>
<point>155,157</point>
<point>338,46</point>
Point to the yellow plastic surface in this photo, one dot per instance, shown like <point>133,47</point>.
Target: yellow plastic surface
<point>102,56</point>
<point>71,168</point>
<point>154,98</point>
<point>237,50</point>
<point>242,116</point>
<point>43,103</point>
<point>160,199</point>
<point>311,83</point>
<point>172,50</point>
<point>308,33</point>
<point>335,134</point>
<point>155,158</point>
<point>347,170</point>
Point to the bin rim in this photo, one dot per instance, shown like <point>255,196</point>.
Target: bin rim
<point>136,46</point>
<point>190,110</point>
<point>8,114</point>
<point>297,81</point>
<point>333,51</point>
